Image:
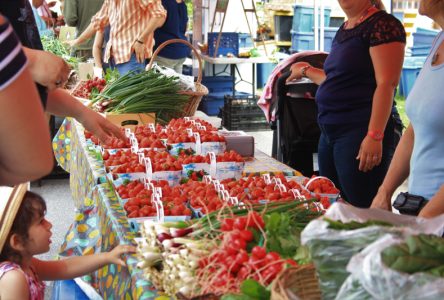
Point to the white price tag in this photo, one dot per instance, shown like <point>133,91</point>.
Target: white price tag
<point>148,168</point>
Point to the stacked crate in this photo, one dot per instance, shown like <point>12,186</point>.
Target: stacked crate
<point>218,87</point>
<point>242,113</point>
<point>302,32</point>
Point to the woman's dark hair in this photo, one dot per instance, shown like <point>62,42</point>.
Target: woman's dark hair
<point>33,207</point>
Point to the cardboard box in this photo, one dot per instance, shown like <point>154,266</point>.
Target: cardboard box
<point>131,120</point>
<point>240,142</point>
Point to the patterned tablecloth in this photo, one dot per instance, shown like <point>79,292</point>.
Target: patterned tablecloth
<point>101,224</point>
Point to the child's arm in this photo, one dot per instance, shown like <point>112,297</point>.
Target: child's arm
<point>80,265</point>
<point>14,286</point>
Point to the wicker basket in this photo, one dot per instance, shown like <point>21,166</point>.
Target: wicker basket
<point>298,282</point>
<point>194,96</point>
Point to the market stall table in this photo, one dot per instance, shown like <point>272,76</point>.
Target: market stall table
<point>101,221</point>
<point>232,62</point>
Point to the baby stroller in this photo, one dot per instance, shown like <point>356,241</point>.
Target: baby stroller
<point>296,131</point>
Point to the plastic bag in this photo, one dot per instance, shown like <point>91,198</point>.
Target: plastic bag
<point>371,279</point>
<point>185,81</point>
<point>332,249</point>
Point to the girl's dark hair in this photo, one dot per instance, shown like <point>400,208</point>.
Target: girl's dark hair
<point>33,207</point>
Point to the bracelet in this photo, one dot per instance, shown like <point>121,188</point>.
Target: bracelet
<point>139,41</point>
<point>376,135</point>
<point>304,70</point>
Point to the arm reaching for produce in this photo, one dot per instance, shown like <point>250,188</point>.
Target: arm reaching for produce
<point>61,103</point>
<point>47,69</point>
<point>80,265</point>
<point>86,35</point>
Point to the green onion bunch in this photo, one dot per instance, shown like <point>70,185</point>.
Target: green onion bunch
<point>142,92</point>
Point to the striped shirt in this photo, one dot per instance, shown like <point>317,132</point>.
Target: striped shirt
<point>128,19</point>
<point>12,57</point>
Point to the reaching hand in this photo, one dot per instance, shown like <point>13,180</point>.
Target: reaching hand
<point>71,43</point>
<point>296,71</point>
<point>382,201</point>
<point>99,126</point>
<point>115,255</point>
<point>370,154</point>
<point>48,69</point>
<point>139,51</point>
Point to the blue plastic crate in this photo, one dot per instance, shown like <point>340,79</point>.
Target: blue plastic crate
<point>212,102</point>
<point>263,72</point>
<point>398,15</point>
<point>329,35</point>
<point>421,50</point>
<point>414,61</point>
<point>302,41</point>
<point>408,78</point>
<point>303,18</point>
<point>422,38</point>
<point>217,84</point>
<point>229,43</point>
<point>427,31</point>
<point>245,40</point>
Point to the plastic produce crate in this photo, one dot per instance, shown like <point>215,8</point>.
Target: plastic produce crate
<point>302,41</point>
<point>245,40</point>
<point>410,70</point>
<point>217,84</point>
<point>263,72</point>
<point>229,43</point>
<point>303,18</point>
<point>421,50</point>
<point>242,113</point>
<point>211,103</point>
<point>423,38</point>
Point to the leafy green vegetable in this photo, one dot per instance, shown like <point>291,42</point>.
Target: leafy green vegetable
<point>282,237</point>
<point>250,290</point>
<point>55,46</point>
<point>255,290</point>
<point>421,253</point>
<point>331,250</point>
<point>338,225</point>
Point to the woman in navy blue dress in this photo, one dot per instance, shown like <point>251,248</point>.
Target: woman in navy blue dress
<point>356,114</point>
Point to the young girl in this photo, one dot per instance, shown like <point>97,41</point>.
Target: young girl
<point>28,233</point>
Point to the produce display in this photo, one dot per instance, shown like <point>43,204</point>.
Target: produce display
<point>89,88</point>
<point>205,229</point>
<point>224,252</point>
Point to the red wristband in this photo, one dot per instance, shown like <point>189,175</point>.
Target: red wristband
<point>376,135</point>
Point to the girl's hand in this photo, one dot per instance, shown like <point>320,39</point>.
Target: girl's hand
<point>370,154</point>
<point>115,255</point>
<point>296,71</point>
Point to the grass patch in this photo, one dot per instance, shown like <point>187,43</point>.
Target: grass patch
<point>400,104</point>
